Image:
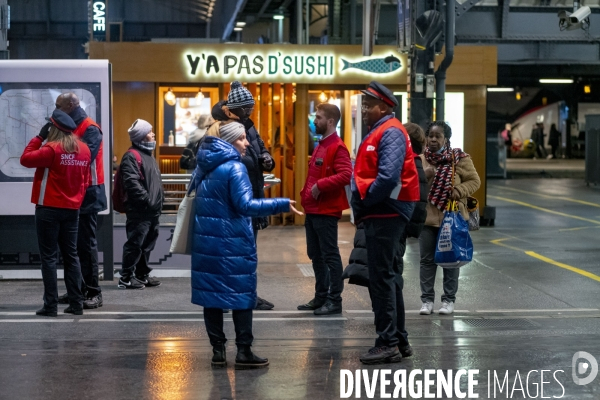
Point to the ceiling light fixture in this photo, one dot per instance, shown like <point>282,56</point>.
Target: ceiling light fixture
<point>278,16</point>
<point>170,97</point>
<point>545,80</point>
<point>500,89</point>
<point>199,96</point>
<point>238,29</point>
<point>323,97</point>
<point>240,24</point>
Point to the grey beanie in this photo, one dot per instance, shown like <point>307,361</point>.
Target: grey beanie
<point>139,130</point>
<point>231,132</point>
<point>239,96</point>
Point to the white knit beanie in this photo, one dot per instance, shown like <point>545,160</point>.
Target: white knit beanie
<point>231,132</point>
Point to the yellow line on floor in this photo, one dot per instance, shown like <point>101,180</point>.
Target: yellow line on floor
<point>545,259</point>
<point>498,242</point>
<point>578,229</point>
<point>521,203</point>
<point>587,203</point>
<point>565,266</point>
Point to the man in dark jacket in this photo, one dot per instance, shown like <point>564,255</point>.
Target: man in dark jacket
<point>257,158</point>
<point>385,187</point>
<point>143,206</point>
<point>94,202</point>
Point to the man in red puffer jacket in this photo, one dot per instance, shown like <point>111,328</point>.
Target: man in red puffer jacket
<point>324,198</point>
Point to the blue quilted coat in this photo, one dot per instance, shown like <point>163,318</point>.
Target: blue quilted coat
<point>223,251</point>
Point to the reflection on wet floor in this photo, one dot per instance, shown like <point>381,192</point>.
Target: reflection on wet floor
<point>515,312</point>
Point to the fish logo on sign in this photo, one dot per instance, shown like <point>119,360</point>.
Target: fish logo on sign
<point>376,65</point>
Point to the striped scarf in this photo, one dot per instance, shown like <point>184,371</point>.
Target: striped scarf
<point>441,188</point>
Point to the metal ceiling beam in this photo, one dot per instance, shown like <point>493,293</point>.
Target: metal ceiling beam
<point>530,36</point>
<point>504,18</point>
<point>262,9</point>
<point>465,6</point>
<point>239,6</point>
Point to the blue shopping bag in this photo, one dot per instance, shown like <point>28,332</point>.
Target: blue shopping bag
<point>454,246</point>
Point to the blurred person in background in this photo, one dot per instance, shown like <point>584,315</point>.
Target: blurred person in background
<point>188,157</point>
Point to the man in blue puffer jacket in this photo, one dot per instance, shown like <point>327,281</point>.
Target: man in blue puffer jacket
<point>224,252</point>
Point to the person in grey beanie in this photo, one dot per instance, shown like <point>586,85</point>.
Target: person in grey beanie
<point>141,182</point>
<point>224,258</point>
<point>240,105</point>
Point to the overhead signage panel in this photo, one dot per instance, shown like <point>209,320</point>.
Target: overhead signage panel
<point>289,65</point>
<point>210,63</point>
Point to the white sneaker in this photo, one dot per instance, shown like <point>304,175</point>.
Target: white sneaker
<point>426,308</point>
<point>447,308</point>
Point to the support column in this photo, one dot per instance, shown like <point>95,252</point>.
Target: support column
<point>421,65</point>
<point>4,17</point>
<point>300,146</point>
<point>299,21</point>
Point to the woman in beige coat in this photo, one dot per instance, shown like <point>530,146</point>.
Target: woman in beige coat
<point>438,161</point>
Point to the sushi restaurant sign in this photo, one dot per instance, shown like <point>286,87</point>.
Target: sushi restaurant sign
<point>299,64</point>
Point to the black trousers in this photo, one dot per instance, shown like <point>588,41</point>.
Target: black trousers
<point>142,234</point>
<point>57,228</point>
<point>242,321</point>
<point>87,250</point>
<point>384,236</point>
<point>322,248</point>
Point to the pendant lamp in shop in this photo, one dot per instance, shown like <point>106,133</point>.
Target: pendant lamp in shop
<point>170,97</point>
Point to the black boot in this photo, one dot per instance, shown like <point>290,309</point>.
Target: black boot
<point>219,360</point>
<point>245,359</point>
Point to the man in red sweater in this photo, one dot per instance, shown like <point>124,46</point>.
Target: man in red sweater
<point>324,199</point>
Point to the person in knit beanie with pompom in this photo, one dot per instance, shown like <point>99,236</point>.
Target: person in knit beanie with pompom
<point>143,206</point>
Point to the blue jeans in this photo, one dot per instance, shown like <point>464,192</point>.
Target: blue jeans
<point>57,228</point>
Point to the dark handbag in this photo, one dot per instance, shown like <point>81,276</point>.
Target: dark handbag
<point>188,157</point>
<point>260,223</point>
<point>473,208</point>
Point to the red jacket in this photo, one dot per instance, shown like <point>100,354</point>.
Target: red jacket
<point>331,169</point>
<point>97,167</point>
<point>61,178</point>
<point>367,164</point>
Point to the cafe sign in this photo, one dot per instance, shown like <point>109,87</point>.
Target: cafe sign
<point>287,64</point>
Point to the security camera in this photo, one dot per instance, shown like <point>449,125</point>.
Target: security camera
<point>580,15</point>
<point>564,22</point>
<point>579,19</point>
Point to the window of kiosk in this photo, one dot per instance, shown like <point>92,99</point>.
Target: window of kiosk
<point>316,97</point>
<point>179,113</point>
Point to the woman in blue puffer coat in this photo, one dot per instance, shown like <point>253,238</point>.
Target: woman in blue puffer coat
<point>224,252</point>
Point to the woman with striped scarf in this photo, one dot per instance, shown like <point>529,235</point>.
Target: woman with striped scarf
<point>439,162</point>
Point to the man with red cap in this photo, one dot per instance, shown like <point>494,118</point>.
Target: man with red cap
<point>385,187</point>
